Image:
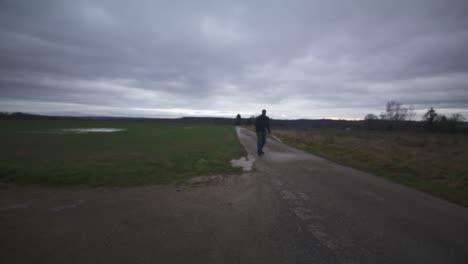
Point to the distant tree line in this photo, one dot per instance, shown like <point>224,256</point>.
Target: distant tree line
<point>247,122</point>
<point>19,115</point>
<point>398,116</point>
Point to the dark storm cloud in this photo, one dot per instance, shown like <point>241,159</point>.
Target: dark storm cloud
<point>170,58</point>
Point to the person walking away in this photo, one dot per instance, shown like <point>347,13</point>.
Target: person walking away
<point>262,125</point>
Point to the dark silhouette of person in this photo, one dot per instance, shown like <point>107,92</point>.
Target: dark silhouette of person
<point>262,125</point>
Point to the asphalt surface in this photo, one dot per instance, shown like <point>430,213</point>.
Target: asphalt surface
<point>292,208</point>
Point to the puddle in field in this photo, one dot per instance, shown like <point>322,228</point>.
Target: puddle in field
<point>91,130</point>
<point>245,163</point>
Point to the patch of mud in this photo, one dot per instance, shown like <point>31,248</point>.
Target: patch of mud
<point>90,130</point>
<point>246,163</point>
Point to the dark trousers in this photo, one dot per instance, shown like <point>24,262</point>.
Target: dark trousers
<point>261,139</point>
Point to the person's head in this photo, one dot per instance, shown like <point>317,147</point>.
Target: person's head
<point>263,112</point>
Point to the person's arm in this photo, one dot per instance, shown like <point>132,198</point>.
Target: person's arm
<point>268,125</point>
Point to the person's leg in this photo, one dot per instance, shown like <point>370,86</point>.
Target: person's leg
<point>259,143</point>
<point>263,140</point>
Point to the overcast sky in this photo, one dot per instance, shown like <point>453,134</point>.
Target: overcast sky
<point>297,59</point>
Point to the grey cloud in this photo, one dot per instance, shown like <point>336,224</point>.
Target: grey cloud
<point>304,58</point>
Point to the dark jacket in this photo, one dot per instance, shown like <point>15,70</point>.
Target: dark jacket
<point>262,123</point>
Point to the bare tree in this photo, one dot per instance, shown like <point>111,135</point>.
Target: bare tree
<point>457,117</point>
<point>395,111</point>
<point>430,117</point>
<point>411,114</point>
<point>454,122</point>
<point>370,121</point>
<point>371,117</point>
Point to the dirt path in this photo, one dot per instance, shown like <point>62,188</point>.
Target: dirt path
<point>294,208</point>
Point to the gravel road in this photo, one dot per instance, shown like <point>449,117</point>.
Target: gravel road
<point>292,208</point>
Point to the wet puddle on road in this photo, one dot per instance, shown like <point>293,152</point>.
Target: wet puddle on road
<point>246,163</point>
<point>91,130</point>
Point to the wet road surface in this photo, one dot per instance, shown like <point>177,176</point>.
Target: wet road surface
<point>292,208</point>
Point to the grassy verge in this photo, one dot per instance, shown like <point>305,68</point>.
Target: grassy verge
<point>433,163</point>
<point>33,152</point>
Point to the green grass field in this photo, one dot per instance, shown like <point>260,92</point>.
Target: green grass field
<point>431,162</point>
<point>146,152</point>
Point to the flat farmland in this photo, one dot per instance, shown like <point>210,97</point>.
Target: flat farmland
<point>139,152</point>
